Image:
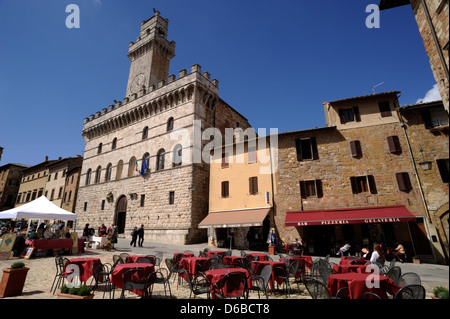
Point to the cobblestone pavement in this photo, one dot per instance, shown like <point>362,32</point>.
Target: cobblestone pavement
<point>42,271</point>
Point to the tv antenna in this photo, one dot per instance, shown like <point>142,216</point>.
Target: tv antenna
<point>376,86</point>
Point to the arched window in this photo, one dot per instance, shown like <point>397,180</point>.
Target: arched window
<point>119,169</point>
<point>170,124</point>
<point>99,149</point>
<point>114,143</point>
<point>108,172</point>
<point>97,174</point>
<point>132,166</point>
<point>160,158</point>
<point>146,160</point>
<point>88,176</point>
<point>177,155</point>
<point>145,133</point>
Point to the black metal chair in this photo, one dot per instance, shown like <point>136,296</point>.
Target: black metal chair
<point>409,278</point>
<point>289,273</point>
<point>411,292</point>
<point>324,273</point>
<point>101,274</point>
<point>135,279</point>
<point>316,288</point>
<point>61,274</point>
<point>199,285</point>
<point>232,285</point>
<point>162,277</point>
<point>394,273</point>
<point>371,295</point>
<point>261,281</point>
<point>343,293</point>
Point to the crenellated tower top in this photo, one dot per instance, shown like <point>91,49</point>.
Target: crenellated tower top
<point>150,55</point>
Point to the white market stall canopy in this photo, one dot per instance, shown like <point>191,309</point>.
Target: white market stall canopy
<point>40,208</point>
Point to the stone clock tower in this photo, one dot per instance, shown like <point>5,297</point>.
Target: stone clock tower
<point>150,55</point>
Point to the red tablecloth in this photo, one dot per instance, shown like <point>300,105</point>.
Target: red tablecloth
<point>356,282</point>
<point>261,256</point>
<point>176,255</point>
<point>215,252</point>
<point>119,270</point>
<point>84,266</point>
<point>345,260</point>
<point>132,258</point>
<point>191,265</point>
<point>54,243</point>
<point>343,269</point>
<point>216,275</point>
<point>257,267</point>
<point>305,262</point>
<point>235,261</point>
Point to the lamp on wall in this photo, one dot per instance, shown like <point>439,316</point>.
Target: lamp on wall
<point>425,165</point>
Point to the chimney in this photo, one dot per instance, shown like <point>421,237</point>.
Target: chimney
<point>46,159</point>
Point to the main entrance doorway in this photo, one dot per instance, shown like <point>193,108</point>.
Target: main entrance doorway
<point>121,213</point>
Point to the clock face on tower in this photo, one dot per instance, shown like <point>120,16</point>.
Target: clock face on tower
<point>137,83</point>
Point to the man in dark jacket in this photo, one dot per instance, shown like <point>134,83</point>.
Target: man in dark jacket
<point>141,235</point>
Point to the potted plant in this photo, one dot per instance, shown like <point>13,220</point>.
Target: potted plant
<point>271,249</point>
<point>82,292</point>
<point>416,259</point>
<point>13,280</point>
<point>440,293</point>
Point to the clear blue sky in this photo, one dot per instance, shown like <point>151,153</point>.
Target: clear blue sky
<point>276,61</point>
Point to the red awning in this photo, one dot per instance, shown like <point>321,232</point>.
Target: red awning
<point>365,215</point>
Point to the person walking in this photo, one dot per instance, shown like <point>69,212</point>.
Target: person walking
<point>141,236</point>
<point>134,234</point>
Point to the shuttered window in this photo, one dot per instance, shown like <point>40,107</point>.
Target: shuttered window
<point>311,188</point>
<point>385,109</point>
<point>403,181</point>
<point>253,185</point>
<point>363,184</point>
<point>225,189</point>
<point>355,148</point>
<point>394,144</point>
<point>349,115</point>
<point>224,160</point>
<point>443,169</point>
<point>306,149</point>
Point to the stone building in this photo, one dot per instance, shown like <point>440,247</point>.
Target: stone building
<point>432,18</point>
<point>33,181</point>
<point>142,161</point>
<point>353,180</point>
<point>9,184</point>
<point>426,127</point>
<point>52,179</point>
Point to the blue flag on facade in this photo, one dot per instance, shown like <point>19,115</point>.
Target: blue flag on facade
<point>144,167</point>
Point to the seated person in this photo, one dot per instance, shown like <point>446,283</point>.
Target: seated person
<point>344,249</point>
<point>366,253</point>
<point>399,252</point>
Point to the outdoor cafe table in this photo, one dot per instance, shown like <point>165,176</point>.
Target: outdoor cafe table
<point>84,266</point>
<point>345,260</point>
<point>119,270</point>
<point>342,269</point>
<point>133,258</point>
<point>190,264</point>
<point>359,283</point>
<point>215,252</point>
<point>54,243</point>
<point>261,256</point>
<point>235,261</point>
<point>257,266</point>
<point>176,255</point>
<point>214,276</point>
